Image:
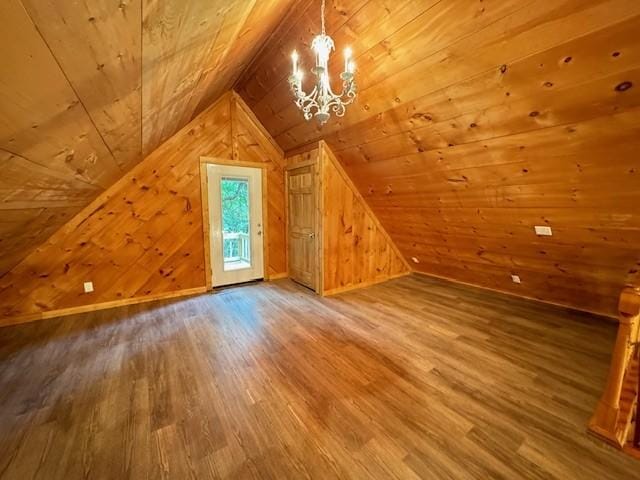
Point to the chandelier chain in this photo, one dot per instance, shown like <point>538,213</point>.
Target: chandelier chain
<point>322,16</point>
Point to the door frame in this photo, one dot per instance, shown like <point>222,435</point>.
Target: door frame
<point>204,193</point>
<point>317,180</point>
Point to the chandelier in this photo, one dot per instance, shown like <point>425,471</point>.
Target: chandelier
<point>322,99</point>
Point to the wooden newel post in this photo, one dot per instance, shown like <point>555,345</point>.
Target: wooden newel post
<point>605,419</point>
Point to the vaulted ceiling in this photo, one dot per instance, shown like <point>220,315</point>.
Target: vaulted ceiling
<point>89,87</point>
<point>477,120</point>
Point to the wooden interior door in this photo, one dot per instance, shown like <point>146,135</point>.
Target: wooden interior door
<point>302,225</point>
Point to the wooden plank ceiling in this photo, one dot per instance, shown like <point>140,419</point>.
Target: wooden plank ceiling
<point>87,88</point>
<point>477,120</point>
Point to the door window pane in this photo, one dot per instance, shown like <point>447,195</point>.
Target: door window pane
<point>236,240</point>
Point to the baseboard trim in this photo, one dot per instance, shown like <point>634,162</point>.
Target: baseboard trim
<point>369,283</point>
<point>197,290</point>
<point>277,276</point>
<point>630,450</point>
<point>98,306</point>
<point>511,294</point>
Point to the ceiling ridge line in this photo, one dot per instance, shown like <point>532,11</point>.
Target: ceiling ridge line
<point>203,75</point>
<point>276,31</point>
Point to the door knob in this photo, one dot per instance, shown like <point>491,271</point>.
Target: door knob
<point>312,235</point>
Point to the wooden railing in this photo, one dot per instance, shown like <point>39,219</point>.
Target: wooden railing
<point>635,443</point>
<point>613,418</point>
<point>236,247</point>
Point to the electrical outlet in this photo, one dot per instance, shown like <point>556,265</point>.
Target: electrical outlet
<point>88,287</point>
<point>415,260</point>
<point>515,279</point>
<point>543,231</point>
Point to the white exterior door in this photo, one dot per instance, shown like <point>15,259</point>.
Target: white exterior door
<point>235,224</point>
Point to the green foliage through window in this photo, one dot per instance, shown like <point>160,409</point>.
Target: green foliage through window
<point>235,205</point>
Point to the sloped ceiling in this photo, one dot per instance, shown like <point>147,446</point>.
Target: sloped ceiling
<point>477,120</point>
<point>89,87</point>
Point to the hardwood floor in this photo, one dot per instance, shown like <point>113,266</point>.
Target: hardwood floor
<point>413,378</point>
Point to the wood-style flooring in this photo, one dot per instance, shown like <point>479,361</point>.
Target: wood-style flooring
<point>413,378</point>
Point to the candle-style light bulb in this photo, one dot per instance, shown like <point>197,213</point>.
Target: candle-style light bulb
<point>347,57</point>
<point>294,57</point>
<point>351,67</point>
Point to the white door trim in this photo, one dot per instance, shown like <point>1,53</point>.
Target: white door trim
<point>207,210</point>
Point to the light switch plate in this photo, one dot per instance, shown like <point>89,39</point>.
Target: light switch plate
<point>515,279</point>
<point>88,287</point>
<point>543,231</point>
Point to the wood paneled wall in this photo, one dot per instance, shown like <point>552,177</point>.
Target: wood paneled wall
<point>89,88</point>
<point>476,121</point>
<point>356,249</point>
<point>142,238</point>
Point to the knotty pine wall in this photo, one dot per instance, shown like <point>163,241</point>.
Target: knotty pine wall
<point>356,250</point>
<point>476,121</point>
<point>143,239</point>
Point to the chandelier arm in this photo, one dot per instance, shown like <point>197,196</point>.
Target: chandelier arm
<point>306,102</point>
<point>302,95</point>
<point>323,103</point>
<point>338,103</point>
<point>348,90</point>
